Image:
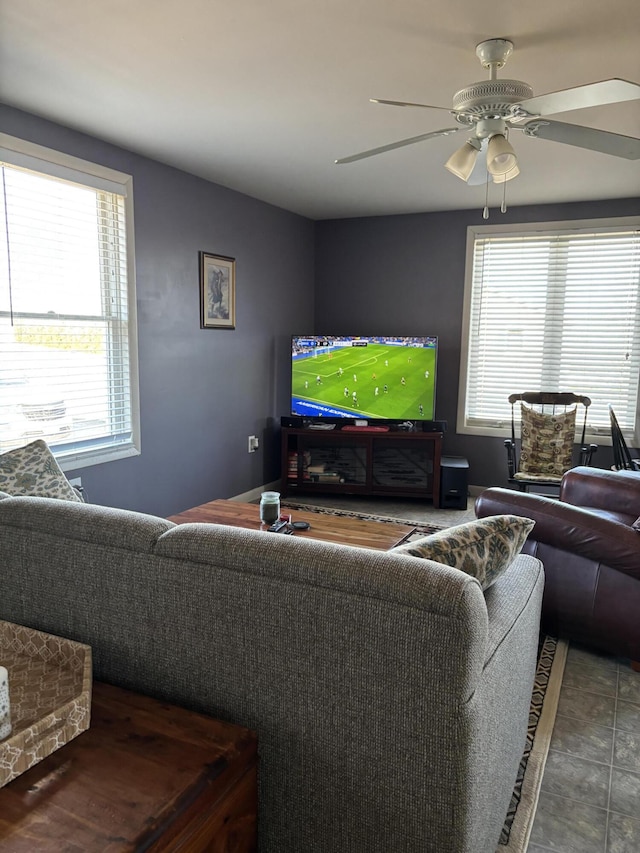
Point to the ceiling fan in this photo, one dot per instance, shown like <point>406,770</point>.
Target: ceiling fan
<point>491,108</point>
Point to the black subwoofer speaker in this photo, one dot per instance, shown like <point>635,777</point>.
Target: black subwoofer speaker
<point>454,482</point>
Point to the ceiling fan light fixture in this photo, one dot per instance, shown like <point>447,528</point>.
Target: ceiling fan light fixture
<point>463,160</point>
<point>501,158</point>
<point>508,176</point>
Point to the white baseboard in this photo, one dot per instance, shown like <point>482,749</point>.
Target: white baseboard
<point>254,494</point>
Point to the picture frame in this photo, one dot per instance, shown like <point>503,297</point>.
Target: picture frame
<point>217,291</point>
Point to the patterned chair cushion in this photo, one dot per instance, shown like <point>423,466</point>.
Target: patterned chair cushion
<point>547,441</point>
<point>484,548</point>
<point>33,470</point>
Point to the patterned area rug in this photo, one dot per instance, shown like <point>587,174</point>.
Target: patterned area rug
<point>542,714</point>
<point>422,529</point>
<point>552,656</point>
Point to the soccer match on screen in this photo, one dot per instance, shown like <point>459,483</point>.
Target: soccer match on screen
<point>381,378</point>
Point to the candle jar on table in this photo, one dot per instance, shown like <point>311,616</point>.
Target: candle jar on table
<point>269,507</point>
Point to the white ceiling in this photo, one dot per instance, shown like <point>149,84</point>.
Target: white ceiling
<point>263,95</point>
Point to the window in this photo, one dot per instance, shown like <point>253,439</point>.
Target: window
<point>551,307</point>
<point>68,356</point>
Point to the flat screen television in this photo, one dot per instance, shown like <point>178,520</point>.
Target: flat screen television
<point>374,378</point>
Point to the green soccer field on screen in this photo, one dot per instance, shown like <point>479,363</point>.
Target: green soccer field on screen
<point>364,379</point>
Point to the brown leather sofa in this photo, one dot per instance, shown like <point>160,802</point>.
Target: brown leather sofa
<point>591,555</point>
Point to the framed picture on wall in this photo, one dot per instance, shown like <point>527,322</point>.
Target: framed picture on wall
<point>217,292</point>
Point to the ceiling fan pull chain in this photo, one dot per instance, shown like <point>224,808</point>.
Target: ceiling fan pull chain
<point>503,206</point>
<point>485,212</point>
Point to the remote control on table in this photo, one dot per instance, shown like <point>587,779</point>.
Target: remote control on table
<point>277,526</point>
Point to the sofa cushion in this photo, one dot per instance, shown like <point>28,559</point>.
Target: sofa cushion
<point>33,470</point>
<point>547,442</point>
<point>484,548</point>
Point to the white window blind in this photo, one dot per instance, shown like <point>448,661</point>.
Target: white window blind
<point>552,309</point>
<point>68,369</point>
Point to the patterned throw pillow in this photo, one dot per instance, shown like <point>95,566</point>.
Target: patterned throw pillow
<point>547,442</point>
<point>484,548</point>
<point>33,470</point>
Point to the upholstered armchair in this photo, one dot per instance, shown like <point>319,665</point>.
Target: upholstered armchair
<point>591,555</point>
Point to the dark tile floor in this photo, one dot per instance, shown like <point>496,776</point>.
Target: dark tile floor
<point>590,796</point>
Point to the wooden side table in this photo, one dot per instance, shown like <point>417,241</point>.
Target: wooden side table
<point>146,776</point>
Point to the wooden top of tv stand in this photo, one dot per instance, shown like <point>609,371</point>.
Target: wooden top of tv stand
<point>376,433</point>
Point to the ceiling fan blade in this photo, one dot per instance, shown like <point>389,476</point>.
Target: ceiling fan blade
<point>585,137</point>
<point>407,104</point>
<point>592,95</point>
<point>423,136</point>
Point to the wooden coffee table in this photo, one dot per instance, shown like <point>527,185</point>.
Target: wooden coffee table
<point>379,535</point>
<point>145,776</point>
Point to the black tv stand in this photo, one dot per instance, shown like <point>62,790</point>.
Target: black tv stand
<point>362,462</point>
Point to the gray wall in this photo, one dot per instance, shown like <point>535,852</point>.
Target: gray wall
<point>405,275</point>
<point>202,392</point>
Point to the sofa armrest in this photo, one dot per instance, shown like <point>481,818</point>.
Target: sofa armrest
<point>615,492</point>
<point>568,528</point>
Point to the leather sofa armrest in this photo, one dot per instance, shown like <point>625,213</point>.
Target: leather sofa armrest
<point>611,491</point>
<point>568,528</point>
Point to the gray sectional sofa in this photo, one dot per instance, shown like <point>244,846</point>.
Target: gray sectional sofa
<point>390,694</point>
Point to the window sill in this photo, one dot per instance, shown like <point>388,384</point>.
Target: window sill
<point>76,459</point>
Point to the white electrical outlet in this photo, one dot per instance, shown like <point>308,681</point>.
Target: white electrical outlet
<point>76,481</point>
<point>253,443</point>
